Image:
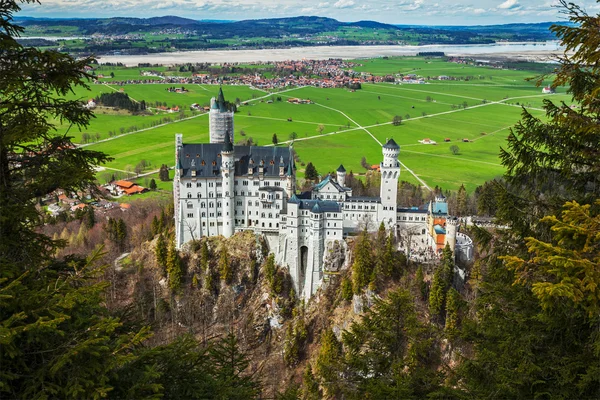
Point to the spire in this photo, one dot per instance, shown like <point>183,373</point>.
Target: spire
<point>290,170</point>
<point>221,100</point>
<point>341,168</point>
<point>391,144</point>
<point>227,146</point>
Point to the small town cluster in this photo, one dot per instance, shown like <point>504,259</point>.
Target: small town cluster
<point>220,188</point>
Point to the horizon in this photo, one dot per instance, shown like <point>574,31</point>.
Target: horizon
<point>216,20</point>
<point>403,12</point>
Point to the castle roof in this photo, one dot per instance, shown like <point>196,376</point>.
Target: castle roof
<point>324,183</point>
<point>319,206</point>
<point>364,199</point>
<point>391,144</point>
<point>228,146</point>
<point>439,230</point>
<point>341,168</point>
<point>205,159</point>
<point>439,207</point>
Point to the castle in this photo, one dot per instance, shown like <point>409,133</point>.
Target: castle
<point>220,189</point>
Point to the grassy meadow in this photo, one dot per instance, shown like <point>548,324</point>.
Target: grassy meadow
<point>342,126</point>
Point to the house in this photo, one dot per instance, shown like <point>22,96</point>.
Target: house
<point>548,90</point>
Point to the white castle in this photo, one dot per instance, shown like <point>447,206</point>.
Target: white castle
<point>221,188</point>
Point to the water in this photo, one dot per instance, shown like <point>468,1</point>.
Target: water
<point>325,52</point>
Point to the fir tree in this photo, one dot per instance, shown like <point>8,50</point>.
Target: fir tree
<point>452,304</point>
<point>160,251</point>
<point>270,269</point>
<point>224,267</point>
<point>437,292</point>
<point>420,282</point>
<point>310,386</point>
<point>346,289</point>
<point>362,267</point>
<point>174,270</point>
<point>230,371</point>
<point>152,184</point>
<point>90,217</point>
<point>328,362</point>
<point>274,139</point>
<point>155,226</point>
<point>310,172</point>
<point>204,256</point>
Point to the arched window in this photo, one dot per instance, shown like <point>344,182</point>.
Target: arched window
<point>262,215</point>
<point>203,205</point>
<point>199,195</point>
<point>189,195</point>
<point>270,215</point>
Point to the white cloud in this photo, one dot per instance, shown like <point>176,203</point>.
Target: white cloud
<point>344,4</point>
<point>509,5</point>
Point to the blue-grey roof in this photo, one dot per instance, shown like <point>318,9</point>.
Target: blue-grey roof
<point>319,206</point>
<point>341,168</point>
<point>294,199</point>
<point>193,156</point>
<point>364,199</point>
<point>391,144</point>
<point>327,180</point>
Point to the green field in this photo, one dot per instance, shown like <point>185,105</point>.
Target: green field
<point>342,126</point>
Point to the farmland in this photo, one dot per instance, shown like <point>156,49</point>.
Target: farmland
<point>343,126</point>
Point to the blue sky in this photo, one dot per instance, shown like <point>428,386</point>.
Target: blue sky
<point>422,12</point>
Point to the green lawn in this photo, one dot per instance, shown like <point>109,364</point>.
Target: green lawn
<point>434,110</point>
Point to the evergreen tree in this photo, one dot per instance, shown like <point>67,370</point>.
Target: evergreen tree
<point>160,252</point>
<point>274,139</point>
<point>421,284</point>
<point>310,386</point>
<point>389,353</point>
<point>153,184</point>
<point>90,217</point>
<point>461,201</point>
<point>163,173</point>
<point>310,172</point>
<point>533,336</point>
<point>452,304</point>
<point>327,366</point>
<point>230,371</point>
<point>346,289</point>
<point>437,292</point>
<point>155,227</point>
<point>224,267</point>
<point>204,256</point>
<point>174,269</point>
<point>362,267</point>
<point>270,269</point>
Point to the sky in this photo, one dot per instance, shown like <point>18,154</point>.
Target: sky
<point>413,12</point>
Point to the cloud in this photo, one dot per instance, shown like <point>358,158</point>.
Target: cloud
<point>343,4</point>
<point>510,5</point>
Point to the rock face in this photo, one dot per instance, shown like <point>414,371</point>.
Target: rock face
<point>335,256</point>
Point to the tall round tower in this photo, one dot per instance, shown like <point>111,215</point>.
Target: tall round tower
<point>341,176</point>
<point>220,119</point>
<point>390,172</point>
<point>227,173</point>
<point>451,225</point>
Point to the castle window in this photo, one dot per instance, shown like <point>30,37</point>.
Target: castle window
<point>199,195</point>
<point>256,203</point>
<point>219,204</point>
<point>226,194</point>
<point>188,185</point>
<point>212,215</point>
<point>214,163</point>
<point>203,205</point>
<point>198,184</point>
<point>190,205</point>
<point>270,215</point>
<point>262,215</point>
<point>219,155</point>
<point>211,205</point>
<point>202,162</point>
<point>203,215</point>
<point>190,215</point>
<point>219,214</point>
<point>245,183</point>
<point>203,223</point>
<point>189,195</point>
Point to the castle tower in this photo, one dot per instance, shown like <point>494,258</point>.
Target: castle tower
<point>390,172</point>
<point>341,176</point>
<point>220,119</point>
<point>290,184</point>
<point>227,173</point>
<point>176,191</point>
<point>451,225</point>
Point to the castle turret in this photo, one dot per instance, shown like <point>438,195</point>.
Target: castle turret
<point>290,184</point>
<point>227,173</point>
<point>220,119</point>
<point>341,176</point>
<point>176,190</point>
<point>390,172</point>
<point>451,226</point>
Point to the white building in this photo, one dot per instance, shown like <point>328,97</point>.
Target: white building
<point>220,189</point>
<point>220,119</point>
